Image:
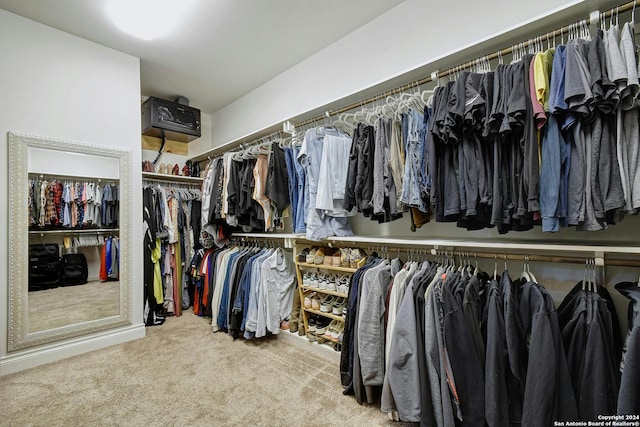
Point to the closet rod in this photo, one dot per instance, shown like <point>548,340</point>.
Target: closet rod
<point>245,145</point>
<point>422,250</point>
<point>167,183</point>
<point>618,262</point>
<point>550,35</point>
<point>75,178</point>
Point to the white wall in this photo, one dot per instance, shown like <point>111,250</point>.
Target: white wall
<point>416,34</point>
<point>57,85</point>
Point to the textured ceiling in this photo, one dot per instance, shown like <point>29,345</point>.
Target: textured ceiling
<point>224,49</point>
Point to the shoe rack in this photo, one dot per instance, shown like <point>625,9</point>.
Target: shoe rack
<point>305,289</point>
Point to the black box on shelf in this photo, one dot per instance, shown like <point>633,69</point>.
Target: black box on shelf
<point>178,122</point>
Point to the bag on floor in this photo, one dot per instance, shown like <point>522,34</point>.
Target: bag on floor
<point>45,270</point>
<point>74,269</point>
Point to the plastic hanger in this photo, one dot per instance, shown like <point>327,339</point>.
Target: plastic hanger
<point>525,274</point>
<point>533,277</point>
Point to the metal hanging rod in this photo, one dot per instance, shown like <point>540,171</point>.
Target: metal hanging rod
<point>439,74</point>
<point>169,183</point>
<point>75,178</point>
<point>244,145</point>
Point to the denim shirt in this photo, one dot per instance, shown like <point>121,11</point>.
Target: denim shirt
<point>414,179</point>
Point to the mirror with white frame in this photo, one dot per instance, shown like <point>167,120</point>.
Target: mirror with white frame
<point>52,305</point>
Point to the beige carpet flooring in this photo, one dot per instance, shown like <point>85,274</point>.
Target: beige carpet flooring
<point>68,305</point>
<point>182,374</point>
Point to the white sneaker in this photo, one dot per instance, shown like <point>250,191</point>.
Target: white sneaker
<point>331,282</point>
<point>322,281</point>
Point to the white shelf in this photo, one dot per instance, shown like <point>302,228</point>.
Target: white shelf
<point>270,235</point>
<point>171,178</point>
<point>489,244</point>
<point>76,231</point>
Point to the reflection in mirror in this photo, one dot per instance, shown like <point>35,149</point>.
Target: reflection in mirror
<point>69,272</point>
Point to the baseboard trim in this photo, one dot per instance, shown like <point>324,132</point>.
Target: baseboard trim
<point>318,349</point>
<point>30,358</point>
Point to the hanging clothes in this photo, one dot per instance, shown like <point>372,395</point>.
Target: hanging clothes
<point>57,203</point>
<point>319,224</point>
<point>629,394</point>
<point>588,334</point>
<point>172,236</point>
<point>249,291</point>
<point>465,348</point>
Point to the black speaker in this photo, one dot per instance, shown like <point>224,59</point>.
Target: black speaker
<point>176,121</point>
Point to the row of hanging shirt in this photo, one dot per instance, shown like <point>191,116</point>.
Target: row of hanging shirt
<point>550,139</point>
<point>546,140</point>
<point>444,346</point>
<point>72,204</point>
<point>247,291</point>
<point>172,235</point>
<point>245,190</point>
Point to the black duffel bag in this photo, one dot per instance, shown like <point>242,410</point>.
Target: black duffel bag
<point>45,270</point>
<point>74,269</point>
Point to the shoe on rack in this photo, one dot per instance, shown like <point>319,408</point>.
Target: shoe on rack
<point>308,297</point>
<point>345,255</point>
<point>328,256</point>
<point>336,259</point>
<point>162,168</point>
<point>312,325</point>
<point>311,336</point>
<point>316,302</point>
<point>322,326</point>
<point>311,255</point>
<point>343,285</point>
<point>332,280</point>
<point>175,170</point>
<point>329,332</point>
<point>338,307</point>
<point>319,256</point>
<point>326,306</point>
<point>336,335</point>
<point>185,170</point>
<point>302,256</point>
<point>322,281</point>
<point>313,279</point>
<point>357,256</point>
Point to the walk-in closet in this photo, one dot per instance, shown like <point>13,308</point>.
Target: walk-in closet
<point>391,212</point>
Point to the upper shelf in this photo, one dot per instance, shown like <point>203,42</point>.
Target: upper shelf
<point>487,244</point>
<point>171,178</point>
